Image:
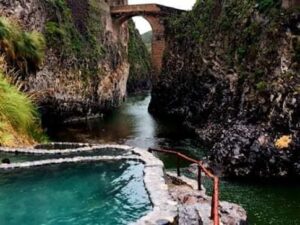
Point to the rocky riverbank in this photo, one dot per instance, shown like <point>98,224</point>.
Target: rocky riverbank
<point>231,73</point>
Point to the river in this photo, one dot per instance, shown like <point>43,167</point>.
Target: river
<point>266,202</point>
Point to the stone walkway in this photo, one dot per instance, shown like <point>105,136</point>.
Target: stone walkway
<point>194,206</point>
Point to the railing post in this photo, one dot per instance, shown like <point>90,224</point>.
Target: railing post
<point>199,178</point>
<point>217,218</point>
<point>178,165</point>
<point>215,202</point>
<point>212,212</point>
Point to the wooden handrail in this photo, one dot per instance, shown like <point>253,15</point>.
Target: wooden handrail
<point>201,168</point>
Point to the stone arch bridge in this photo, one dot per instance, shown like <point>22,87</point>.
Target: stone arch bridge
<point>155,15</point>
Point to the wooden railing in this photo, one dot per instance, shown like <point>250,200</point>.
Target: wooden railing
<point>201,168</point>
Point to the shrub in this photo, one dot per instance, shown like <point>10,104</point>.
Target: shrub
<point>25,49</point>
<point>30,47</point>
<point>54,33</point>
<point>8,35</point>
<point>72,41</point>
<point>19,120</point>
<point>241,51</point>
<point>261,86</point>
<point>264,5</point>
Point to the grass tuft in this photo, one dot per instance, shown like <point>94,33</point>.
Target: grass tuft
<point>25,49</point>
<point>19,119</point>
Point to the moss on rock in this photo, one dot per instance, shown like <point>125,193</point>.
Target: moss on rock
<point>232,74</point>
<point>75,30</point>
<point>25,50</point>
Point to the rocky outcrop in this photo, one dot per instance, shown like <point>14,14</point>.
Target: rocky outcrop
<point>86,67</point>
<point>194,207</point>
<point>232,74</point>
<point>248,150</point>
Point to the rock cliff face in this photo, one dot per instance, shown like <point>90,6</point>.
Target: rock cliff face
<point>231,72</point>
<point>86,67</point>
<point>139,59</point>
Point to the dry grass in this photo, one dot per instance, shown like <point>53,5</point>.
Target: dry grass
<point>19,119</point>
<point>10,137</point>
<point>283,142</point>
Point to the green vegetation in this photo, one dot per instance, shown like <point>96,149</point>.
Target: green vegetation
<point>19,120</point>
<point>82,42</point>
<point>261,86</point>
<point>264,5</point>
<point>244,34</point>
<point>147,39</point>
<point>24,49</point>
<point>139,59</point>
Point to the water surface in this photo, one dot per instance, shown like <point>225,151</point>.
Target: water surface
<point>266,202</point>
<point>83,194</point>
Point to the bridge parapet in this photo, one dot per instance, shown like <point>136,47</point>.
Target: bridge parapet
<point>144,9</point>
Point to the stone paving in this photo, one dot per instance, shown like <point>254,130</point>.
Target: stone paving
<point>194,207</point>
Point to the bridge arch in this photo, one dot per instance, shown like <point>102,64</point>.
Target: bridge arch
<point>155,15</point>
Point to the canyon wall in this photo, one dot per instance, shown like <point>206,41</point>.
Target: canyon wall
<point>231,72</point>
<point>86,66</point>
<point>140,62</point>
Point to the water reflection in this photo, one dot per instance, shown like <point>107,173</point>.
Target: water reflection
<point>131,125</point>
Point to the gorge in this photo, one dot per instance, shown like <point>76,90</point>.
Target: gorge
<point>221,82</point>
<point>232,74</point>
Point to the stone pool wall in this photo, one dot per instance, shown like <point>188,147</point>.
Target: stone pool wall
<point>172,204</point>
<point>164,207</point>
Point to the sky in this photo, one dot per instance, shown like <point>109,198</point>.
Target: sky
<point>143,26</point>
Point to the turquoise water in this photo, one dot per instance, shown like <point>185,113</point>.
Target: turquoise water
<point>83,194</point>
<point>266,202</point>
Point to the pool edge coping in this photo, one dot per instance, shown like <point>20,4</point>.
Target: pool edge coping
<point>164,208</point>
